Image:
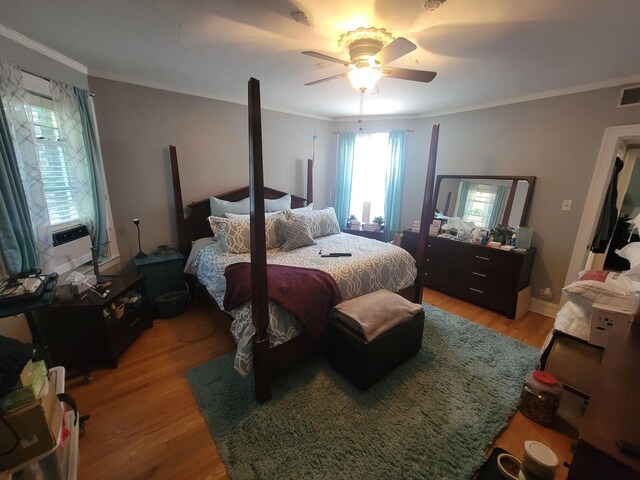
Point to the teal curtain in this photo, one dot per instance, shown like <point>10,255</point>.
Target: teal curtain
<point>346,147</point>
<point>393,183</point>
<point>498,204</point>
<point>94,162</point>
<point>462,201</point>
<point>19,251</point>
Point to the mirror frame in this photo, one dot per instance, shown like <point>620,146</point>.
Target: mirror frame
<point>514,179</point>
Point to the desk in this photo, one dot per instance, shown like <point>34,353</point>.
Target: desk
<point>613,413</point>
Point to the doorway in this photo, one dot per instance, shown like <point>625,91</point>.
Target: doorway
<point>613,140</point>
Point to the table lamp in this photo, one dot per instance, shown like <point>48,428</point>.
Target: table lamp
<point>140,254</point>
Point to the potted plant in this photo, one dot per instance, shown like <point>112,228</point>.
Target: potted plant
<point>380,222</point>
<point>352,218</point>
<point>501,233</point>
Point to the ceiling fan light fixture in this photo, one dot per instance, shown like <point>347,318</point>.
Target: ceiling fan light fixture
<point>431,5</point>
<point>364,79</point>
<point>372,33</point>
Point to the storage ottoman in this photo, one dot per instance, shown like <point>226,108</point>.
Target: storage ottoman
<point>369,336</point>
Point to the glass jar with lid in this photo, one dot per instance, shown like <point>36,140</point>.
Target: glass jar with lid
<point>540,397</point>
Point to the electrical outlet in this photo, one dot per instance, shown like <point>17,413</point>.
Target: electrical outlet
<point>545,294</point>
<point>566,205</point>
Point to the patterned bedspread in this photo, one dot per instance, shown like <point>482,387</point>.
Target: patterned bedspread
<point>374,265</point>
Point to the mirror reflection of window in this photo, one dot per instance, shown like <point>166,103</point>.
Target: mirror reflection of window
<point>481,204</point>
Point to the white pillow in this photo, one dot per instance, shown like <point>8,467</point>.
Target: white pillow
<point>609,288</point>
<point>303,209</point>
<point>278,204</point>
<point>219,207</point>
<point>632,253</point>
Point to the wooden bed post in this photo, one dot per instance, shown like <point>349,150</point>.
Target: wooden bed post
<point>427,212</point>
<point>259,300</point>
<point>183,241</point>
<point>309,181</point>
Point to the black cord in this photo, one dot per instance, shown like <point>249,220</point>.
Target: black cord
<point>181,338</point>
<point>15,434</point>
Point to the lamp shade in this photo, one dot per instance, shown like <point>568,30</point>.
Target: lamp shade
<point>364,78</point>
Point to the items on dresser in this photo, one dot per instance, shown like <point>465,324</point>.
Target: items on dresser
<point>493,278</point>
<point>88,331</point>
<point>164,273</point>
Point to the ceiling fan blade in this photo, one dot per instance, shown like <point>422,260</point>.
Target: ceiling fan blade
<point>327,79</point>
<point>322,56</point>
<point>408,74</point>
<point>396,49</point>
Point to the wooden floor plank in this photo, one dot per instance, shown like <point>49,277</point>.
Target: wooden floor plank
<point>145,423</point>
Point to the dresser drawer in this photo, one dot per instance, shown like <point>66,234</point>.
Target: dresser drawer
<point>123,332</point>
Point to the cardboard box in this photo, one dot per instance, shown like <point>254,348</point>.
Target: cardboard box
<point>33,379</point>
<point>604,320</point>
<point>34,429</point>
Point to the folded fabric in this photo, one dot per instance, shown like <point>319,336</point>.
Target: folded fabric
<point>376,312</point>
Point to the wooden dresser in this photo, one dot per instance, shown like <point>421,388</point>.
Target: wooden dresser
<point>493,278</point>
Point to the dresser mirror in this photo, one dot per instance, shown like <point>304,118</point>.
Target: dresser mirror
<point>487,201</point>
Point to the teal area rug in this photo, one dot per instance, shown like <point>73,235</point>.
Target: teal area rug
<point>431,418</point>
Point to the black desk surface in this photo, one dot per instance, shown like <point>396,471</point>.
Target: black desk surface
<point>16,305</point>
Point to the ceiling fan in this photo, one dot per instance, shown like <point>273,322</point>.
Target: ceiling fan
<point>370,50</point>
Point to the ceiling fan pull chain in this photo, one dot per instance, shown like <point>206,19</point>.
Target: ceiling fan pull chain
<point>361,105</point>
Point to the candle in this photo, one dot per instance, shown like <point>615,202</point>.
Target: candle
<point>366,212</point>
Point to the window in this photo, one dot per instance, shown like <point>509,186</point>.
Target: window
<point>371,158</point>
<point>57,177</point>
<point>479,204</point>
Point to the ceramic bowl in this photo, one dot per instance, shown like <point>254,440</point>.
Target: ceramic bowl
<point>509,466</point>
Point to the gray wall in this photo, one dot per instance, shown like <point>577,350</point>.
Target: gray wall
<point>137,124</point>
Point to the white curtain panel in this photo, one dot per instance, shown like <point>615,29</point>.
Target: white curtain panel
<point>75,154</point>
<point>18,110</point>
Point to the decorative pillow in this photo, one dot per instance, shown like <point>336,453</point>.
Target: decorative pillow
<point>220,207</point>
<point>279,204</point>
<point>320,222</point>
<point>235,235</point>
<point>246,216</point>
<point>609,288</point>
<point>632,253</point>
<point>293,234</point>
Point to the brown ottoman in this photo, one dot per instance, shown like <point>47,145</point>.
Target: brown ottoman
<point>369,336</point>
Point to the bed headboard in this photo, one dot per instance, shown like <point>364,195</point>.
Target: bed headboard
<point>195,224</point>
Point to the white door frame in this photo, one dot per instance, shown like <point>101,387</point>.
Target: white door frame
<point>611,141</point>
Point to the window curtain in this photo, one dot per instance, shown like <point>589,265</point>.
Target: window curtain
<point>462,201</point>
<point>498,206</point>
<point>71,139</point>
<point>346,144</point>
<point>16,236</point>
<point>393,183</point>
<point>94,162</point>
<point>19,126</point>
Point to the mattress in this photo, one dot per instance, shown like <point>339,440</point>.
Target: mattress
<point>372,266</point>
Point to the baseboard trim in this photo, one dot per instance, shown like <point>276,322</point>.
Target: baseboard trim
<point>547,309</point>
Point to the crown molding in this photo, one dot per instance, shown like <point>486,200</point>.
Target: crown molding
<point>586,87</point>
<point>196,93</point>
<point>42,49</point>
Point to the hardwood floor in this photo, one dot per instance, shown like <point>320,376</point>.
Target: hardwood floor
<point>145,423</point>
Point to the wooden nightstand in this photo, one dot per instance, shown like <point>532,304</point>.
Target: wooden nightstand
<point>163,273</point>
<point>366,233</point>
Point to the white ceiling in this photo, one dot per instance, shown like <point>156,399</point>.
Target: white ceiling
<point>485,52</point>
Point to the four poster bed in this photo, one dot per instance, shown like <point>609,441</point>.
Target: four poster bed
<point>269,337</point>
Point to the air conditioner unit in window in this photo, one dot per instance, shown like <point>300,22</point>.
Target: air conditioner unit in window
<point>71,248</point>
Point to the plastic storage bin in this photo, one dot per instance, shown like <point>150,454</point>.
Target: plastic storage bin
<point>540,397</point>
<point>172,304</point>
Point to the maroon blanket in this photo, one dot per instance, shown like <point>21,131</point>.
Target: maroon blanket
<point>308,294</point>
